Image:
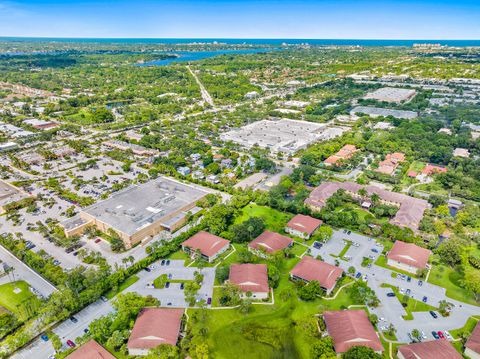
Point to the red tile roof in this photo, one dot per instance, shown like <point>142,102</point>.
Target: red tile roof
<point>90,350</point>
<point>431,169</point>
<point>155,326</point>
<point>409,214</point>
<point>473,343</point>
<point>250,277</point>
<point>434,349</point>
<point>312,269</point>
<point>409,254</point>
<point>305,224</point>
<point>345,152</point>
<point>208,244</point>
<point>412,174</point>
<point>349,328</point>
<point>270,242</point>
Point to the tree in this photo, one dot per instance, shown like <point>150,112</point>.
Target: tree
<point>116,340</point>
<point>373,319</point>
<point>361,353</point>
<point>362,294</point>
<point>444,307</point>
<point>247,230</point>
<point>245,306</point>
<point>417,335</point>
<point>222,273</point>
<point>310,291</point>
<point>323,234</point>
<point>164,351</point>
<point>323,349</point>
<point>351,270</point>
<point>229,295</point>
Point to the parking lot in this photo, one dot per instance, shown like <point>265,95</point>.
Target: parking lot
<point>390,308</point>
<point>173,296</point>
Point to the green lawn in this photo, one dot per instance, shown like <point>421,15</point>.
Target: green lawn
<point>467,328</point>
<point>345,249</point>
<point>268,331</point>
<point>450,279</point>
<point>274,220</point>
<point>127,283</point>
<point>23,304</point>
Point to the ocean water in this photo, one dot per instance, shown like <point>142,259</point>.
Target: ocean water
<point>274,42</point>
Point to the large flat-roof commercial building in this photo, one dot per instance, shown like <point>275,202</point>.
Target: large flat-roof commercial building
<point>391,94</point>
<point>378,111</point>
<point>286,136</point>
<point>9,194</point>
<point>140,212</point>
<point>410,209</point>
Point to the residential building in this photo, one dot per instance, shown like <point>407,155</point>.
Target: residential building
<point>461,152</point>
<point>408,257</point>
<point>207,245</point>
<point>391,162</point>
<point>90,350</point>
<point>8,146</point>
<point>153,327</point>
<point>345,153</point>
<point>269,243</point>
<point>302,226</point>
<point>430,169</point>
<point>251,278</point>
<point>309,269</point>
<point>350,328</point>
<point>433,349</point>
<point>410,209</point>
<point>472,346</point>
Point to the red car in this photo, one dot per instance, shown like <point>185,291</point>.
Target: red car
<point>70,343</point>
<point>440,334</point>
<point>98,240</point>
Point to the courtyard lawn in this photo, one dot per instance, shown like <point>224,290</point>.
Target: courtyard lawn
<point>268,331</point>
<point>18,299</point>
<point>450,279</point>
<point>345,249</point>
<point>124,285</point>
<point>274,220</point>
<point>160,281</point>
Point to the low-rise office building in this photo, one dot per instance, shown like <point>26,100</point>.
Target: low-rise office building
<point>138,213</point>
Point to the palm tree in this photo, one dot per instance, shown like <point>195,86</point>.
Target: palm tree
<point>375,198</point>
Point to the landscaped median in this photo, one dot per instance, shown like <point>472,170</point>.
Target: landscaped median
<point>409,304</point>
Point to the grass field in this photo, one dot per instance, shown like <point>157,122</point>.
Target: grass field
<point>127,283</point>
<point>450,279</point>
<point>268,331</point>
<point>23,303</point>
<point>274,220</point>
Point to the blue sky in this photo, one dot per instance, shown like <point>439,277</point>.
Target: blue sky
<point>334,19</point>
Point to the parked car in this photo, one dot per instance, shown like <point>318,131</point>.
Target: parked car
<point>167,285</point>
<point>391,294</point>
<point>408,291</point>
<point>182,285</point>
<point>104,299</point>
<point>169,275</point>
<point>420,283</point>
<point>374,250</point>
<point>86,330</point>
<point>440,335</point>
<point>168,262</point>
<point>44,337</point>
<point>424,299</point>
<point>209,301</point>
<point>317,245</point>
<point>409,279</point>
<point>98,240</point>
<point>56,262</point>
<point>447,335</point>
<point>148,269</point>
<point>433,314</point>
<point>435,335</point>
<point>162,263</point>
<point>70,343</point>
<point>349,232</point>
<point>358,275</point>
<point>73,319</point>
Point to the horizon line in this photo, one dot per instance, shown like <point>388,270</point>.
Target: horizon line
<point>232,38</point>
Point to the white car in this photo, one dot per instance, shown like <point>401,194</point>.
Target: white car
<point>447,335</point>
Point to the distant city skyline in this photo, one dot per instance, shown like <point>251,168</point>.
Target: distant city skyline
<point>340,19</point>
